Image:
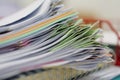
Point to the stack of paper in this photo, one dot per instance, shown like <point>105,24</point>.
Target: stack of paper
<point>44,35</point>
<point>108,73</point>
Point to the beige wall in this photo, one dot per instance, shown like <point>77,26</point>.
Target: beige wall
<point>108,9</point>
<point>104,8</point>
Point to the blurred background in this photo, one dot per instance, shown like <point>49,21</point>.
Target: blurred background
<point>99,8</point>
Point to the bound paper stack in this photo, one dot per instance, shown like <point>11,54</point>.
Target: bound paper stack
<point>47,39</point>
